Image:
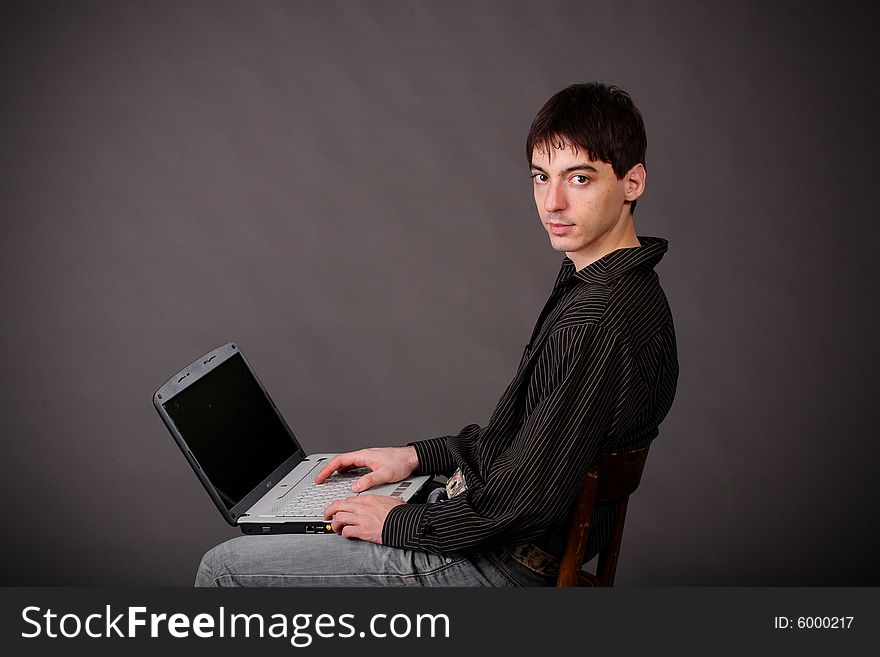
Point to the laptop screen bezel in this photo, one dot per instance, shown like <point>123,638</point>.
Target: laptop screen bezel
<point>190,375</point>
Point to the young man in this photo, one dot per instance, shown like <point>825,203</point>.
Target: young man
<point>598,375</point>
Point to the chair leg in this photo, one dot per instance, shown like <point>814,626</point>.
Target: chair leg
<point>606,569</point>
<point>579,528</point>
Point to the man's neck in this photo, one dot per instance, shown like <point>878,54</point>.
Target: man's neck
<point>623,236</point>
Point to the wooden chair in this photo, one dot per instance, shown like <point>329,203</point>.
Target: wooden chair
<point>611,478</point>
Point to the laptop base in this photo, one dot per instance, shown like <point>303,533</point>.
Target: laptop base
<point>255,528</point>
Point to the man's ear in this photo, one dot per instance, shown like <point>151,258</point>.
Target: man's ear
<point>635,182</point>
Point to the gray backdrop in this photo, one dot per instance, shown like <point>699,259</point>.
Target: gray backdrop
<point>341,187</point>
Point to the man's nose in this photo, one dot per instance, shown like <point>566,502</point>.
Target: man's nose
<point>555,199</point>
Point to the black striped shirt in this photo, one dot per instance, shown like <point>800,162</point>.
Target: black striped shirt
<point>598,374</point>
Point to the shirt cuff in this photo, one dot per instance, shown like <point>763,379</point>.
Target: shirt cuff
<point>434,456</point>
<point>403,526</point>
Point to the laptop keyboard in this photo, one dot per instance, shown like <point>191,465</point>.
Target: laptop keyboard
<point>313,500</point>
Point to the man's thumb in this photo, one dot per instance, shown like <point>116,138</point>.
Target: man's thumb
<point>363,483</point>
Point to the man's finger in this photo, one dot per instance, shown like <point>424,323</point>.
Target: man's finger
<point>341,520</point>
<point>351,531</point>
<point>338,463</point>
<point>365,482</point>
<point>336,506</point>
<point>329,468</point>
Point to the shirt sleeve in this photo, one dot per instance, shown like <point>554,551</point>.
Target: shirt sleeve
<point>434,456</point>
<point>528,489</point>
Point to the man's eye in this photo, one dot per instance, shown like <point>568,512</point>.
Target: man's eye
<point>581,180</point>
<point>539,177</point>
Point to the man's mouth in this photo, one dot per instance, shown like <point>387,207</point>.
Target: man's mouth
<point>560,229</point>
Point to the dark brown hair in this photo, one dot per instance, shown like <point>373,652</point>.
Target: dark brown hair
<point>598,118</point>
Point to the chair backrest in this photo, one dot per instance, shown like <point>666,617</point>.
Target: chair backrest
<point>612,478</point>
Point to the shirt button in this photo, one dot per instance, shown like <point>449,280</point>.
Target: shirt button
<point>448,559</point>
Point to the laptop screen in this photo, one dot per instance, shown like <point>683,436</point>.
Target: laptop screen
<point>232,429</point>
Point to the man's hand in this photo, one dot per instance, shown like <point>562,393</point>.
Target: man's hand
<point>361,516</point>
<point>388,464</point>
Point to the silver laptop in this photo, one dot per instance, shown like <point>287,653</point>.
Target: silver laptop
<point>245,455</point>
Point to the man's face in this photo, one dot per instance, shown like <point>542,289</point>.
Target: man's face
<point>582,203</point>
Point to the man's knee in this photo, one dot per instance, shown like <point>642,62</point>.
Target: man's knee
<point>209,568</point>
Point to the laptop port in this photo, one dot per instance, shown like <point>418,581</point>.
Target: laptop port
<point>310,529</point>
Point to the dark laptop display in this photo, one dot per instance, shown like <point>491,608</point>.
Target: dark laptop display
<point>232,430</point>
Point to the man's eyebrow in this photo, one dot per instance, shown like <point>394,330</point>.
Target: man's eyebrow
<point>576,167</point>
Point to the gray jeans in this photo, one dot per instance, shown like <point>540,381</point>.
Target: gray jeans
<point>330,560</point>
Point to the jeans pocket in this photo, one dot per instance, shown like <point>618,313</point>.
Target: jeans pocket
<point>517,572</point>
<point>504,553</point>
<point>500,560</point>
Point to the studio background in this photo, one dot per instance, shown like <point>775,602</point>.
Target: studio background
<point>341,188</point>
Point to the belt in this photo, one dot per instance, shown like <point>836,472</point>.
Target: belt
<point>529,555</point>
<point>536,559</point>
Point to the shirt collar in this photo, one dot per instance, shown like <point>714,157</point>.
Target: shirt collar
<point>618,262</point>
